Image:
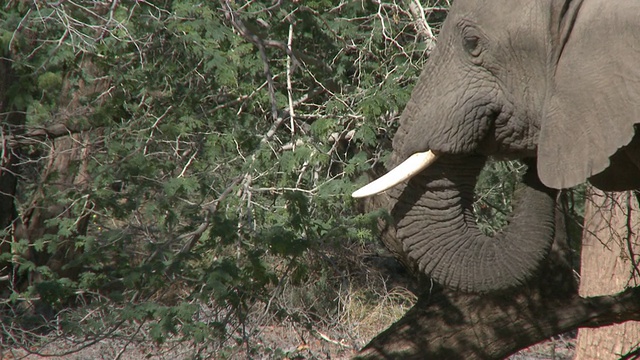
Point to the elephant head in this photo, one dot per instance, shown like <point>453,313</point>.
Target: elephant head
<point>556,82</point>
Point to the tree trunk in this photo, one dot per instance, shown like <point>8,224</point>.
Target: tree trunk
<point>61,165</point>
<point>609,264</point>
<point>11,122</point>
<point>452,325</point>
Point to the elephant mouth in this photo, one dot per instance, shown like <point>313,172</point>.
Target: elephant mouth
<point>405,171</point>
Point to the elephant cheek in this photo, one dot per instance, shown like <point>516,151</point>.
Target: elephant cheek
<point>461,127</point>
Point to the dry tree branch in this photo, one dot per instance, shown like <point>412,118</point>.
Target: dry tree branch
<point>274,127</point>
<point>36,136</point>
<point>326,338</point>
<point>631,235</point>
<point>384,31</point>
<point>239,25</point>
<point>289,84</point>
<point>633,354</point>
<point>420,18</point>
<point>333,138</point>
<point>211,209</point>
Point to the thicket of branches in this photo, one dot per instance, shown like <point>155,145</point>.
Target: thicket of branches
<point>178,172</point>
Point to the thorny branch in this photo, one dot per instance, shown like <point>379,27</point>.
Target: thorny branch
<point>186,150</point>
<point>38,135</point>
<point>211,210</point>
<point>632,207</point>
<point>424,29</point>
<point>289,84</point>
<point>238,24</point>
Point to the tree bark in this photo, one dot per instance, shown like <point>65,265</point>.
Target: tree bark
<point>61,165</point>
<point>450,325</point>
<point>11,122</point>
<point>609,264</point>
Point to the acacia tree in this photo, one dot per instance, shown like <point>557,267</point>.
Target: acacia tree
<point>179,171</point>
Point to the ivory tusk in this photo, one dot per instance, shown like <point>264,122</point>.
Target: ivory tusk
<point>410,167</point>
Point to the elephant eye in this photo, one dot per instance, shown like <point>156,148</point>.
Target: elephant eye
<point>471,44</point>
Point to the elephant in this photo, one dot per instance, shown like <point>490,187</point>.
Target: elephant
<point>555,83</point>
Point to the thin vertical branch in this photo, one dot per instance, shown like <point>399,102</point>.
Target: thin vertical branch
<point>630,236</point>
<point>289,85</point>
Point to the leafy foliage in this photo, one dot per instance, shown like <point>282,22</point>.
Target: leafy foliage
<point>180,164</point>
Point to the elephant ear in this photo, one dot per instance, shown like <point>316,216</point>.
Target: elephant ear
<point>593,100</point>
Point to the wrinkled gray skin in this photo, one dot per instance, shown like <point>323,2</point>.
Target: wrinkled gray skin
<point>555,82</point>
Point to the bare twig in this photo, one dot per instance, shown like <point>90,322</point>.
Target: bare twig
<point>39,135</point>
<point>238,24</point>
<point>631,235</point>
<point>211,209</point>
<point>330,340</point>
<point>289,85</point>
<point>422,26</point>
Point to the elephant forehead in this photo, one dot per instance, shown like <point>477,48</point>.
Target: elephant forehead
<point>484,11</point>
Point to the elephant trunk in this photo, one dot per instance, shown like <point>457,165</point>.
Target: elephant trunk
<point>435,221</point>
